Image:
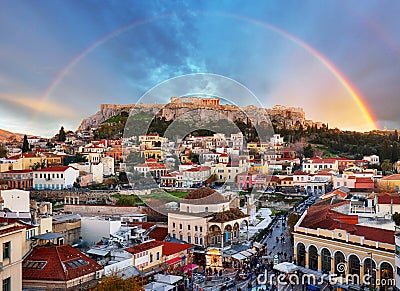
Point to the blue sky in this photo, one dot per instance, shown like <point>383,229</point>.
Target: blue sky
<point>157,40</point>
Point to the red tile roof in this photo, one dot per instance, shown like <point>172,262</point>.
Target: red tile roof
<point>388,198</point>
<point>170,248</point>
<point>299,172</point>
<point>12,228</point>
<point>55,169</point>
<point>59,264</point>
<point>394,177</point>
<point>17,171</point>
<point>159,233</point>
<point>144,247</point>
<point>325,217</point>
<point>17,221</point>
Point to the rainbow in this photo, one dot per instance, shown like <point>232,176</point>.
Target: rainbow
<point>349,87</point>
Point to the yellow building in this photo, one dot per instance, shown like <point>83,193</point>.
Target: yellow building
<point>390,183</point>
<point>146,255</point>
<point>27,161</point>
<point>151,140</point>
<point>153,153</point>
<point>329,241</point>
<point>259,147</point>
<point>12,237</point>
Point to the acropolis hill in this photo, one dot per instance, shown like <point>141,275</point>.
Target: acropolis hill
<point>290,116</point>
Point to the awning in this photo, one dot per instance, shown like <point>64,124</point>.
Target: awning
<point>246,254</point>
<point>238,257</point>
<point>257,245</point>
<point>251,251</point>
<point>98,252</point>
<point>167,279</point>
<point>48,236</point>
<point>173,261</point>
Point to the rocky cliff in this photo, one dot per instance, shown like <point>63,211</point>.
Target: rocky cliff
<point>284,116</point>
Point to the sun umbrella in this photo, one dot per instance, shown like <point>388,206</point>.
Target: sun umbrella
<point>190,267</point>
<point>286,267</point>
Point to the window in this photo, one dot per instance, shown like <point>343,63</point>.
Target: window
<point>196,240</point>
<point>151,258</point>
<point>397,250</point>
<point>201,240</point>
<point>174,235</point>
<point>195,228</point>
<point>173,224</point>
<point>189,239</point>
<point>181,237</point>
<point>189,227</point>
<point>6,250</point>
<point>180,226</point>
<point>7,284</point>
<point>201,229</point>
<point>158,256</point>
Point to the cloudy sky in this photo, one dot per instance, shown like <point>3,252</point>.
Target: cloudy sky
<point>59,60</point>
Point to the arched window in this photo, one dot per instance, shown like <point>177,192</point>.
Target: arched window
<point>339,259</point>
<point>301,255</point>
<point>354,265</point>
<point>313,258</point>
<point>326,260</point>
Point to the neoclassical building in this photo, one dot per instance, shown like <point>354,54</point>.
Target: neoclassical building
<point>206,219</point>
<point>325,238</point>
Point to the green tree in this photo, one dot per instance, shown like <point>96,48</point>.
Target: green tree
<point>386,166</point>
<point>115,283</point>
<point>123,178</point>
<point>308,151</point>
<point>395,152</point>
<point>25,145</point>
<point>3,151</point>
<point>79,158</point>
<point>61,135</point>
<point>396,218</point>
<point>193,157</point>
<point>386,153</point>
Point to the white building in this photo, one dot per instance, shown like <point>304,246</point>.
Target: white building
<point>95,169</point>
<point>60,177</point>
<point>108,166</point>
<point>16,200</point>
<point>276,139</point>
<point>151,166</point>
<point>94,229</point>
<point>314,165</point>
<point>373,159</point>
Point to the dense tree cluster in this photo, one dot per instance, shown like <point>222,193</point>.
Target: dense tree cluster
<point>3,151</point>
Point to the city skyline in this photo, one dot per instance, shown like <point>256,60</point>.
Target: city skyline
<point>60,60</point>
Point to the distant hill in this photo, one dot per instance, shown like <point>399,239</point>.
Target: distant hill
<point>9,136</point>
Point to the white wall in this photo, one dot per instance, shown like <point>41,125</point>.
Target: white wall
<point>16,200</point>
<point>93,229</point>
<point>50,180</point>
<point>108,166</point>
